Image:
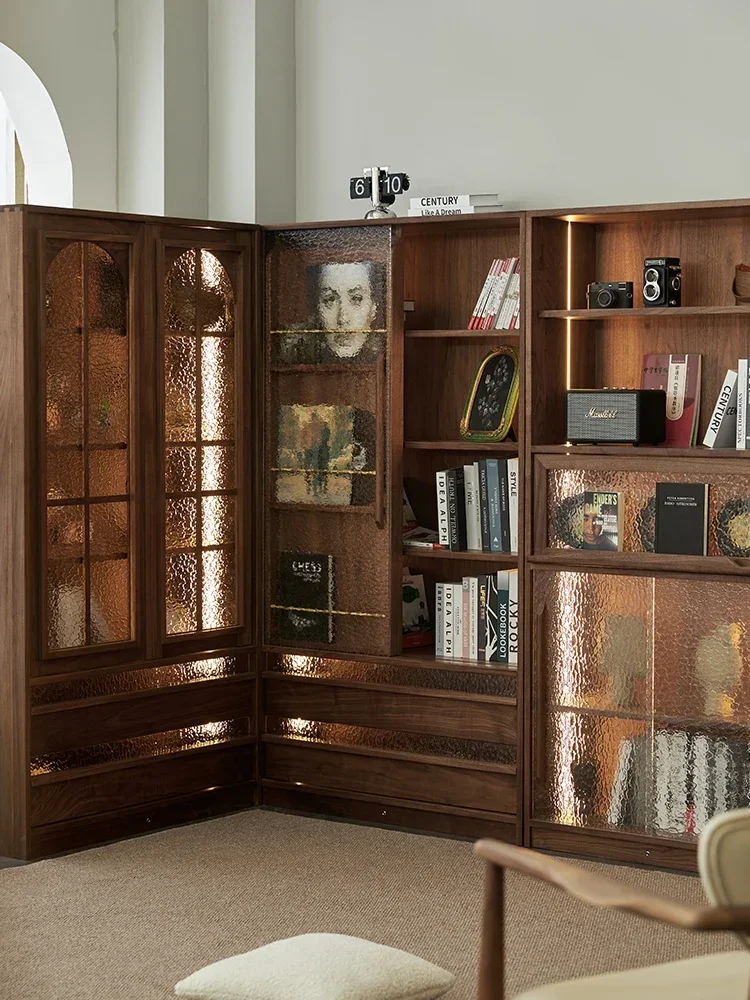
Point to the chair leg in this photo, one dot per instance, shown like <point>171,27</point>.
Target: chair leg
<point>491,957</point>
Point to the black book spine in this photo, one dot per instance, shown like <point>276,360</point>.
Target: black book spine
<point>456,511</point>
<point>484,508</point>
<point>504,506</point>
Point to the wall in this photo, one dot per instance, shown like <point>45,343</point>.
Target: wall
<point>549,104</point>
<point>70,46</point>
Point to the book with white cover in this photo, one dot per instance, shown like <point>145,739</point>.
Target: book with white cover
<point>478,310</point>
<point>513,618</point>
<point>447,619</point>
<point>722,427</point>
<point>458,616</point>
<point>455,201</point>
<point>473,617</point>
<point>471,210</point>
<point>512,295</point>
<point>740,437</point>
<point>439,620</point>
<point>499,292</point>
<point>513,502</point>
<point>473,513</point>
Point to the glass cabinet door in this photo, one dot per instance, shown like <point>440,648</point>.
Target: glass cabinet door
<point>200,440</point>
<point>328,516</point>
<point>86,433</point>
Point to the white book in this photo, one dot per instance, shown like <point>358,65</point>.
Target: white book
<point>512,617</point>
<point>513,502</point>
<point>473,513</point>
<point>455,201</point>
<point>492,279</point>
<point>441,483</point>
<point>471,210</point>
<point>497,291</point>
<point>476,313</point>
<point>439,620</point>
<point>473,616</point>
<point>509,303</point>
<point>740,438</point>
<point>447,619</point>
<point>722,427</point>
<point>458,619</point>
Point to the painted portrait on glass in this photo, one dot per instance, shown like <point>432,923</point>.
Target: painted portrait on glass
<point>345,322</point>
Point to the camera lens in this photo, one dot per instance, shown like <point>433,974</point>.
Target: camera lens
<point>651,275</point>
<point>651,292</point>
<point>676,283</point>
<point>605,297</point>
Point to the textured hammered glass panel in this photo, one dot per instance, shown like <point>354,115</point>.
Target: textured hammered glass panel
<point>215,296</point>
<point>217,469</point>
<point>356,736</point>
<point>180,472</point>
<point>106,291</point>
<point>180,292</point>
<point>180,389</point>
<point>64,291</point>
<point>108,389</point>
<point>217,387</point>
<point>66,605</point>
<point>645,685</point>
<point>182,593</point>
<point>108,529</point>
<point>474,682</point>
<point>64,400</point>
<point>65,532</point>
<point>64,473</point>
<point>728,508</point>
<point>155,745</point>
<point>108,472</point>
<point>182,523</point>
<point>217,522</point>
<point>218,580</point>
<point>144,679</point>
<point>110,601</point>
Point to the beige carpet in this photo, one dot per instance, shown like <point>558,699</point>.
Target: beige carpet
<point>127,921</point>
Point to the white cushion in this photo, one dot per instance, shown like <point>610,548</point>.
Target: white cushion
<point>319,967</point>
<point>709,977</point>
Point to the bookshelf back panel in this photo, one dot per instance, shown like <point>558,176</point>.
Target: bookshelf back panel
<point>444,272</point>
<point>642,685</point>
<point>438,377</point>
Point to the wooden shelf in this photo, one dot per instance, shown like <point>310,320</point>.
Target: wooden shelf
<point>467,555</point>
<point>628,451</point>
<point>644,563</point>
<point>462,334</point>
<point>419,656</point>
<point>644,312</point>
<point>511,447</point>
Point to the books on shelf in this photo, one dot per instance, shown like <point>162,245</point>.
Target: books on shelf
<point>306,597</point>
<point>477,619</point>
<point>499,301</point>
<point>477,506</point>
<point>679,375</point>
<point>682,518</point>
<point>722,427</point>
<point>743,425</point>
<point>454,204</point>
<point>603,520</point>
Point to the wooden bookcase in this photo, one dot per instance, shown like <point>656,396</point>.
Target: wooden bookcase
<point>638,697</point>
<point>145,678</point>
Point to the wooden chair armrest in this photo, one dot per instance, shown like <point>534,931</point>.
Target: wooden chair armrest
<point>601,891</point>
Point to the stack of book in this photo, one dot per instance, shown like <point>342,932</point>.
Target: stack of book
<point>679,375</point>
<point>499,302</point>
<point>477,619</point>
<point>454,204</point>
<point>477,506</point>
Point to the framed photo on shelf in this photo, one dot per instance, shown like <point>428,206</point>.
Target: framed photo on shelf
<point>493,397</point>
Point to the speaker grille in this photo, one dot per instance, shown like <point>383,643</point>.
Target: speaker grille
<point>582,426</point>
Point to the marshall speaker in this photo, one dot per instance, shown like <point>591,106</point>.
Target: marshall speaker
<point>616,416</point>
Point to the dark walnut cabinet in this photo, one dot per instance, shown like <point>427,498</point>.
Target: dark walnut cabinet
<point>205,429</point>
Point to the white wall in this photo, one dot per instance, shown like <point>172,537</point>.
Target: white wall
<point>550,104</point>
<point>275,111</point>
<point>70,46</point>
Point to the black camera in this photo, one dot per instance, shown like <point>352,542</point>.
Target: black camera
<point>662,281</point>
<point>610,295</point>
